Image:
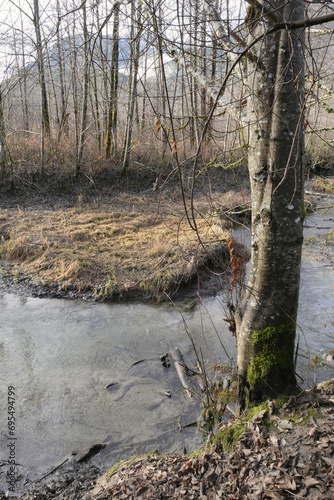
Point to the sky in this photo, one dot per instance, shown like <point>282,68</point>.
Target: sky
<point>16,27</point>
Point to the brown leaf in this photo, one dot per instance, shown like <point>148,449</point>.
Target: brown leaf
<point>157,124</point>
<point>313,432</point>
<point>312,420</point>
<point>259,416</point>
<point>173,146</point>
<point>274,440</point>
<point>285,425</point>
<point>310,481</point>
<point>246,452</point>
<point>329,461</point>
<point>291,485</point>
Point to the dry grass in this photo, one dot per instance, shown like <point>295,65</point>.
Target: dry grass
<point>134,243</point>
<point>323,184</point>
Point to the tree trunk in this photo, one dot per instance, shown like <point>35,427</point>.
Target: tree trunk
<point>135,51</point>
<point>74,79</point>
<point>5,156</point>
<point>85,93</point>
<point>203,68</point>
<point>41,70</point>
<point>111,132</point>
<point>62,124</point>
<point>266,318</point>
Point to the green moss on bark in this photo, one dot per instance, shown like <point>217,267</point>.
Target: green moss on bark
<point>273,364</point>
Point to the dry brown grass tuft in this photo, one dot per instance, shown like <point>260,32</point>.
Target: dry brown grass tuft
<point>323,184</point>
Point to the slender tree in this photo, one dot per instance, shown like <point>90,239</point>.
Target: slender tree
<point>5,155</point>
<point>135,52</point>
<point>63,119</point>
<point>84,103</point>
<point>111,132</point>
<point>41,69</point>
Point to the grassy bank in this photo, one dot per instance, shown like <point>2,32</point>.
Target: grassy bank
<point>126,246</point>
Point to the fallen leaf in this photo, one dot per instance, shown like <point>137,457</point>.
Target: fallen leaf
<point>285,425</point>
<point>313,432</point>
<point>310,481</point>
<point>246,452</point>
<point>157,124</point>
<point>274,440</point>
<point>259,416</point>
<point>329,461</point>
<point>291,485</point>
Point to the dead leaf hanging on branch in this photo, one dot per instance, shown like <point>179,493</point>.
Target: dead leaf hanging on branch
<point>157,124</point>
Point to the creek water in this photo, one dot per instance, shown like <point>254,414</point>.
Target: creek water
<point>61,354</point>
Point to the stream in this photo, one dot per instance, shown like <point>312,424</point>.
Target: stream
<point>60,355</point>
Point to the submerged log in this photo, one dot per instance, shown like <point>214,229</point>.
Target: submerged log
<point>181,370</point>
<point>87,453</point>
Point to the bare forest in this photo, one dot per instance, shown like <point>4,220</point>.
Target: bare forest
<point>95,86</point>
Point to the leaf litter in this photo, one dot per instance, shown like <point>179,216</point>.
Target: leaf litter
<point>289,456</point>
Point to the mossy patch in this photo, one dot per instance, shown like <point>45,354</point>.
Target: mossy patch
<point>229,435</point>
<point>302,418</point>
<point>114,468</point>
<point>272,364</point>
<point>253,410</point>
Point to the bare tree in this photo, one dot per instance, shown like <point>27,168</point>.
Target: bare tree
<point>135,52</point>
<point>266,318</point>
<point>111,132</point>
<point>5,156</point>
<point>84,103</point>
<point>63,119</point>
<point>274,87</point>
<point>45,125</point>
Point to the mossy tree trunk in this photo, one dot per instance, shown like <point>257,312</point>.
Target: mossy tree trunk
<point>266,318</point>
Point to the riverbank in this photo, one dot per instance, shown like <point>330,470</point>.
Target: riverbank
<point>119,245</point>
<point>110,240</point>
<point>277,451</point>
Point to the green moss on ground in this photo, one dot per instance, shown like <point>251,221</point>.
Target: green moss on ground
<point>229,436</point>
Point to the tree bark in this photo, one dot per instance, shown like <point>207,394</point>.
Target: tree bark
<point>85,93</point>
<point>135,51</point>
<point>41,69</point>
<point>62,123</point>
<point>5,156</point>
<point>266,318</point>
<point>111,132</point>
